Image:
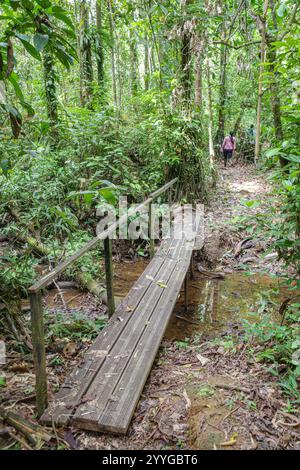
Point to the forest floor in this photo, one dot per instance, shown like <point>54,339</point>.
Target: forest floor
<point>205,391</point>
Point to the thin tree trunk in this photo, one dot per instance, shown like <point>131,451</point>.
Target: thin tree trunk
<point>274,87</point>
<point>133,63</point>
<point>222,94</point>
<point>198,82</point>
<point>263,44</point>
<point>50,89</point>
<point>86,55</point>
<point>78,35</point>
<point>112,52</point>
<point>155,48</point>
<point>210,114</point>
<point>146,65</point>
<point>186,59</point>
<point>99,46</point>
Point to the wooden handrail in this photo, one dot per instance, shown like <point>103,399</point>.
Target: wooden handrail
<point>37,320</point>
<point>48,278</point>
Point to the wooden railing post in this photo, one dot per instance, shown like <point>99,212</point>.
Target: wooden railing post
<point>192,268</point>
<point>39,353</point>
<point>151,231</point>
<point>186,294</point>
<point>109,276</point>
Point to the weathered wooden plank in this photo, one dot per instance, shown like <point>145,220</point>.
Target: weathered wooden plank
<point>107,377</point>
<point>69,396</point>
<point>119,410</point>
<point>88,382</point>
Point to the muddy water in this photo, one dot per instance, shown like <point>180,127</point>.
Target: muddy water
<point>214,304</point>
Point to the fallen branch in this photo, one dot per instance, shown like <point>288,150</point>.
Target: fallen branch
<point>86,281</point>
<point>211,274</point>
<point>232,387</point>
<point>187,320</point>
<point>242,245</point>
<point>283,307</point>
<point>32,432</point>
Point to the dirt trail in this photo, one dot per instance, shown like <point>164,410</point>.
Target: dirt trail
<point>203,392</point>
<point>238,186</point>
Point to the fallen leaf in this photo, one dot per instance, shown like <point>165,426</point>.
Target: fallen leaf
<point>70,349</point>
<point>188,401</point>
<point>228,443</point>
<point>162,284</point>
<point>19,367</point>
<point>202,359</point>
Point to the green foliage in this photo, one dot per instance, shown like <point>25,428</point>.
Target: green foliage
<point>34,25</point>
<point>205,391</point>
<point>277,345</point>
<point>17,273</point>
<point>76,328</point>
<point>286,229</point>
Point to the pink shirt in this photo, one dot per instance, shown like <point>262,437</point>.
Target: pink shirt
<point>229,143</point>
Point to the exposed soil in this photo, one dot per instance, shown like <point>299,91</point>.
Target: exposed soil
<point>204,391</point>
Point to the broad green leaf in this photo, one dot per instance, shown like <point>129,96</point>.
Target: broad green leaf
<point>272,152</point>
<point>14,81</point>
<point>44,3</point>
<point>29,47</point>
<point>61,15</point>
<point>28,107</point>
<point>108,195</point>
<point>63,56</point>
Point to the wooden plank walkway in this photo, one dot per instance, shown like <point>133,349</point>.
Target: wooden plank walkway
<point>102,392</point>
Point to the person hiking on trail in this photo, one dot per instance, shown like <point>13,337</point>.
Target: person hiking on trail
<point>228,147</point>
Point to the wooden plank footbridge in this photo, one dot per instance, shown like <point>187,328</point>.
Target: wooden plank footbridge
<point>102,392</point>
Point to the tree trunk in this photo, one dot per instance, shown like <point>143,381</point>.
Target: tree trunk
<point>210,114</point>
<point>146,65</point>
<point>274,88</point>
<point>222,95</point>
<point>262,22</point>
<point>198,82</point>
<point>50,90</point>
<point>186,58</point>
<point>99,46</point>
<point>112,52</point>
<point>133,63</point>
<point>86,55</point>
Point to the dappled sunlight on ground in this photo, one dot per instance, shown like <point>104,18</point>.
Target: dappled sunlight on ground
<point>250,186</point>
